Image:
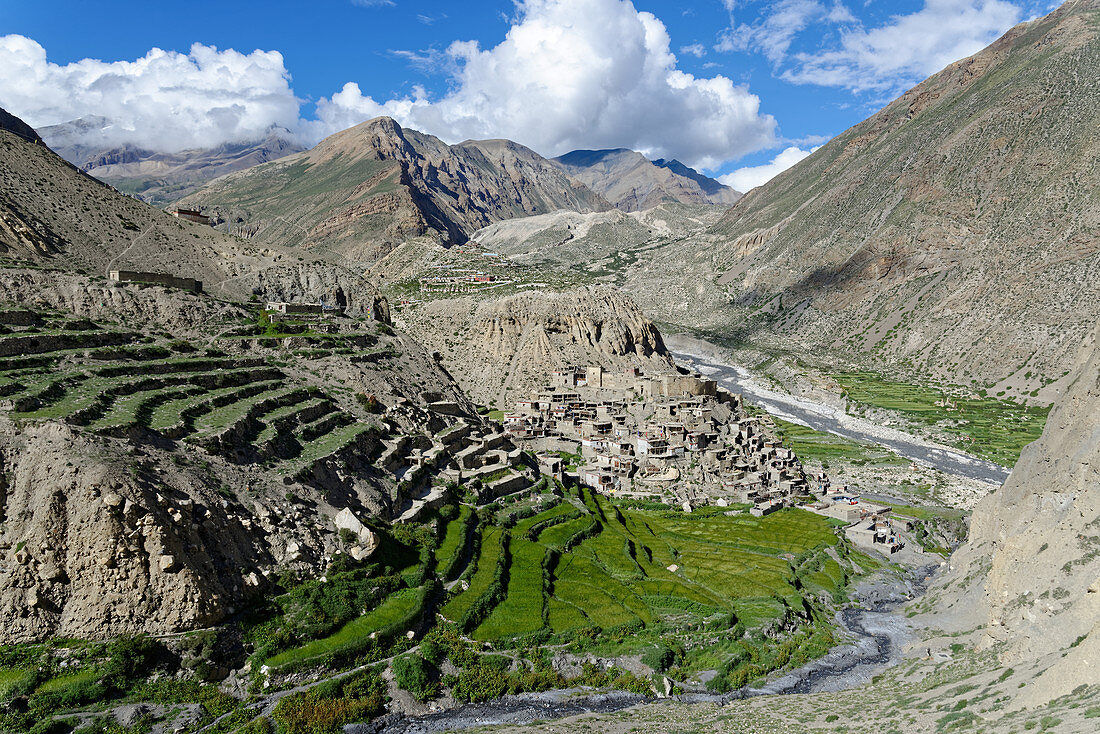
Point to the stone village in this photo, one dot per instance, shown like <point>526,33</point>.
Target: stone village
<point>677,438</point>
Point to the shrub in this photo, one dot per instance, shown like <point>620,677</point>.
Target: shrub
<point>329,706</point>
<point>261,725</point>
<point>132,659</point>
<point>480,683</point>
<point>369,402</point>
<point>414,674</point>
<point>660,658</point>
<point>433,650</point>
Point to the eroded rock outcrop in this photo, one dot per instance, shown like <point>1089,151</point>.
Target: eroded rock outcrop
<point>505,347</point>
<point>93,544</point>
<point>1030,571</point>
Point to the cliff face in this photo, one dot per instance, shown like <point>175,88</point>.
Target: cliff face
<point>957,229</point>
<point>501,350</point>
<point>1030,570</point>
<point>96,544</point>
<point>362,191</point>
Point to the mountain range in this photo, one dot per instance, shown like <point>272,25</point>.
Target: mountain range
<point>54,215</point>
<point>632,182</point>
<point>156,177</point>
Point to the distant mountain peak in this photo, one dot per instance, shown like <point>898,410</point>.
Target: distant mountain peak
<point>632,182</point>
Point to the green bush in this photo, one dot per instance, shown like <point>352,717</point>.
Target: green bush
<point>660,657</point>
<point>326,708</point>
<point>414,674</point>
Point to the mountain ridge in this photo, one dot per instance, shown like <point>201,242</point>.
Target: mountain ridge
<point>953,233</point>
<point>632,182</point>
<point>362,191</point>
<point>158,177</point>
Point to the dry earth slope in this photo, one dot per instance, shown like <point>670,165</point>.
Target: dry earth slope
<point>956,231</point>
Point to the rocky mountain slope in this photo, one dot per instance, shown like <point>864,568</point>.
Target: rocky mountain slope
<point>632,182</point>
<point>361,192</point>
<point>955,232</point>
<point>586,240</point>
<point>54,215</point>
<point>1029,574</point>
<point>158,178</point>
<point>499,350</point>
<point>165,456</point>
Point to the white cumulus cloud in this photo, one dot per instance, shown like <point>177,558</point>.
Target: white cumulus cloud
<point>164,101</point>
<point>745,179</point>
<point>905,49</point>
<point>568,74</point>
<point>577,74</point>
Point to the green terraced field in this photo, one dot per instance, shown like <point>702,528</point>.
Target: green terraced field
<point>454,537</point>
<point>112,382</point>
<point>479,582</point>
<point>398,607</point>
<point>615,568</point>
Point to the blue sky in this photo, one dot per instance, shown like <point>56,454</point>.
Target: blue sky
<point>725,85</point>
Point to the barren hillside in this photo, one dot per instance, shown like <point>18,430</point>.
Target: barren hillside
<point>956,232</point>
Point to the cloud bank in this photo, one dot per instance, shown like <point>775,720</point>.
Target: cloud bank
<point>745,179</point>
<point>568,74</point>
<point>577,74</point>
<point>163,101</point>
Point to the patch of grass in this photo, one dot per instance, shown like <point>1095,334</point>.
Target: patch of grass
<point>398,608</point>
<point>810,444</point>
<point>993,429</point>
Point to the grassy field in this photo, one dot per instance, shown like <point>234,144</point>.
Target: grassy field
<point>454,536</point>
<point>398,606</point>
<point>993,429</point>
<point>614,566</point>
<point>809,445</point>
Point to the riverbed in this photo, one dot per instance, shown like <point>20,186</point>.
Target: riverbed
<point>702,357</point>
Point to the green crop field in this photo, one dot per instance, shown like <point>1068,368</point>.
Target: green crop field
<point>399,606</point>
<point>617,566</point>
<point>454,537</point>
<point>809,444</point>
<point>993,429</point>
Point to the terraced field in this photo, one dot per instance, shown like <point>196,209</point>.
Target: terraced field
<point>117,382</point>
<point>588,563</point>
